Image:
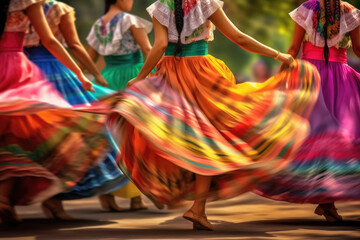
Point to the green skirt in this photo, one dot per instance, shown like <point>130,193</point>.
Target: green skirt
<point>120,70</point>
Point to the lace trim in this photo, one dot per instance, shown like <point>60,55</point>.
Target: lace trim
<point>195,18</point>
<point>57,11</point>
<point>304,17</point>
<point>18,5</point>
<point>53,17</point>
<point>122,26</point>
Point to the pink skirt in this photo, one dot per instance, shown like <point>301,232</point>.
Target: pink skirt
<point>44,144</point>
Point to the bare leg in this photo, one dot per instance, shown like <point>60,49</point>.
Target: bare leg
<point>202,186</point>
<point>7,212</point>
<point>137,203</point>
<point>329,211</point>
<point>196,213</point>
<point>108,203</point>
<point>54,209</point>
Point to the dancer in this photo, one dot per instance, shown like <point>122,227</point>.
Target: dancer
<point>45,146</point>
<point>326,167</point>
<point>189,132</point>
<point>106,177</point>
<point>122,39</point>
<point>61,20</point>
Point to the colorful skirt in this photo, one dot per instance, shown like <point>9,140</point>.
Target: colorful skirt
<point>327,166</point>
<point>63,79</point>
<point>191,118</point>
<point>106,176</point>
<point>44,144</point>
<point>121,69</point>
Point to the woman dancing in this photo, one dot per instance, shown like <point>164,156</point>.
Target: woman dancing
<point>45,146</point>
<point>326,167</point>
<point>189,132</point>
<point>121,38</point>
<point>106,177</point>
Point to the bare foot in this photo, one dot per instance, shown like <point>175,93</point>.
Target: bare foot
<point>53,209</point>
<point>137,203</point>
<point>329,211</point>
<point>108,203</point>
<point>200,222</point>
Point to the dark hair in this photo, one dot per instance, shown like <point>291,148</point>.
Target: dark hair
<point>179,21</point>
<point>4,8</point>
<point>108,3</point>
<point>330,17</point>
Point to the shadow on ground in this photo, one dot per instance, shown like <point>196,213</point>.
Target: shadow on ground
<point>177,228</point>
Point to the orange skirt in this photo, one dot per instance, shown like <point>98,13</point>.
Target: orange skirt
<point>191,118</point>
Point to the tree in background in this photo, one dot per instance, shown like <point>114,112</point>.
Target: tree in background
<point>266,20</point>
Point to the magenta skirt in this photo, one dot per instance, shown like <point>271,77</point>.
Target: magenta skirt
<point>45,145</point>
<point>327,166</point>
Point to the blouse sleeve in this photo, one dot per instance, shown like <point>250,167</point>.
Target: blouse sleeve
<point>162,11</point>
<point>196,13</point>
<point>350,19</point>
<point>130,20</point>
<point>303,16</point>
<point>109,44</point>
<point>53,16</point>
<point>92,39</point>
<point>19,5</point>
<point>57,11</point>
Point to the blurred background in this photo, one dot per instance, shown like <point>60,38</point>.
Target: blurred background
<point>266,20</point>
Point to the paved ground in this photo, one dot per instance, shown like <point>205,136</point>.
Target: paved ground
<point>245,217</point>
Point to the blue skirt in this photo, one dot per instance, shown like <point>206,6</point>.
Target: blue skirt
<point>106,177</point>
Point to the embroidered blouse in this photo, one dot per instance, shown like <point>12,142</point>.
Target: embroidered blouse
<point>311,16</point>
<point>115,37</point>
<point>17,21</point>
<point>197,26</point>
<point>54,11</point>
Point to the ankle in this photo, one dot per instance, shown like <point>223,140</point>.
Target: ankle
<point>198,210</point>
<point>326,206</point>
<point>136,200</point>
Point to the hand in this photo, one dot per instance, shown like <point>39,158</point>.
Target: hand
<point>86,84</point>
<point>131,82</point>
<point>99,79</point>
<point>286,59</point>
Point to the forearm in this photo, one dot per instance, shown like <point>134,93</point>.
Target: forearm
<point>146,52</point>
<point>83,57</point>
<point>250,44</point>
<point>152,59</point>
<point>61,54</point>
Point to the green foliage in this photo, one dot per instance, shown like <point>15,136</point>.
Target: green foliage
<point>266,20</point>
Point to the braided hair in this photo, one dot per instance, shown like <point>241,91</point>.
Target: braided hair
<point>108,4</point>
<point>329,18</point>
<point>179,21</point>
<point>4,8</point>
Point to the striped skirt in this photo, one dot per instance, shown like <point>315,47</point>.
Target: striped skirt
<point>191,118</point>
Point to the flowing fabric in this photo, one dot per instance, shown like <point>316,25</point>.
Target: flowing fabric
<point>44,144</point>
<point>327,166</point>
<point>106,176</point>
<point>191,118</point>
